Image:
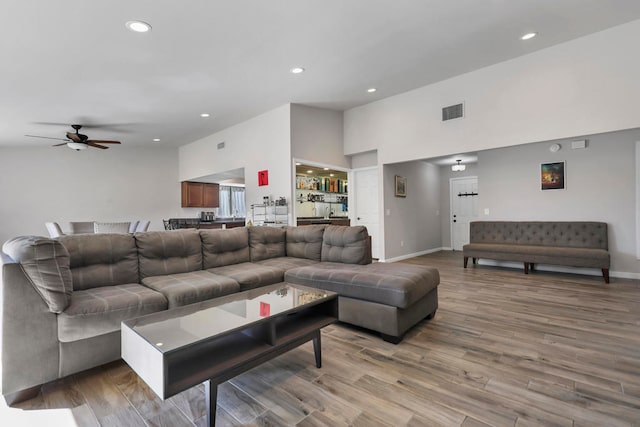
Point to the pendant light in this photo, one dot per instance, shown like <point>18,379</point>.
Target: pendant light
<point>458,167</point>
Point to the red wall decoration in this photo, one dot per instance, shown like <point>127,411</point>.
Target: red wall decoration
<point>265,309</point>
<point>263,178</point>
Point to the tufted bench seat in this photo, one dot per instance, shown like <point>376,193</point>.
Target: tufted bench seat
<point>570,243</point>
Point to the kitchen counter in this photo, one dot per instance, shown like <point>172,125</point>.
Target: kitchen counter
<point>223,223</point>
<point>217,223</point>
<point>332,220</point>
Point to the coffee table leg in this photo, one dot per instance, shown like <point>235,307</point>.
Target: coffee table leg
<point>211,397</point>
<point>317,350</point>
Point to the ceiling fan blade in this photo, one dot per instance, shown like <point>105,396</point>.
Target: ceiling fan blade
<point>103,141</point>
<point>93,144</point>
<point>45,137</point>
<point>74,137</point>
<point>51,123</point>
<point>58,145</point>
<point>87,124</point>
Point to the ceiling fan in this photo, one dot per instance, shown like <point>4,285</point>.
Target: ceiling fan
<point>77,141</point>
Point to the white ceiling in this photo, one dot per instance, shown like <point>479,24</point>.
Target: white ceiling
<point>73,61</point>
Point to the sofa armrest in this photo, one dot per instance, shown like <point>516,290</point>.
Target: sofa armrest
<point>46,263</point>
<point>30,349</point>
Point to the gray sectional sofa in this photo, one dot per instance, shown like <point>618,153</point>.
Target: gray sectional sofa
<point>63,299</point>
<point>570,243</point>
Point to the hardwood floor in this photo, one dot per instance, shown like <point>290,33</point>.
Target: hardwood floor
<point>504,349</point>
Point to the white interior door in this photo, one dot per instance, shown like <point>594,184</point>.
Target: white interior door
<point>366,205</point>
<point>464,209</point>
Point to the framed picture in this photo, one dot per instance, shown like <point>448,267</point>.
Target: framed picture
<point>401,186</point>
<point>552,176</point>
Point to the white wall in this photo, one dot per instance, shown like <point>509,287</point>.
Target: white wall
<point>263,142</point>
<point>600,186</point>
<point>317,136</point>
<point>412,226</point>
<point>57,184</point>
<point>364,160</point>
<point>586,86</point>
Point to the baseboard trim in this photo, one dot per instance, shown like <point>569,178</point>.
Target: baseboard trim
<point>413,255</point>
<point>561,269</point>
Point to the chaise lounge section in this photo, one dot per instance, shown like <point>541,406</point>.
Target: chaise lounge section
<point>64,299</point>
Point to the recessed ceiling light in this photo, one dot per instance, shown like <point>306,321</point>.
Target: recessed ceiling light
<point>298,164</point>
<point>371,89</point>
<point>156,139</point>
<point>205,115</point>
<point>331,174</point>
<point>297,70</point>
<point>528,36</point>
<point>309,171</point>
<point>138,26</point>
<point>326,169</point>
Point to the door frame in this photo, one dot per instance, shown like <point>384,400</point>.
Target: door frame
<point>451,180</point>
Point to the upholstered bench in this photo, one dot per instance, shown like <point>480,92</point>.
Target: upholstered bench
<point>389,298</point>
<point>570,243</point>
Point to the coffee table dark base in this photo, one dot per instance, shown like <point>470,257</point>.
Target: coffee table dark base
<point>211,385</point>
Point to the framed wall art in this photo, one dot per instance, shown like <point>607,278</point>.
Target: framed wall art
<point>401,186</point>
<point>553,176</point>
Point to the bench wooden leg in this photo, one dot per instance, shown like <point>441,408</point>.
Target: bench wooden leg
<point>475,261</point>
<point>466,260</point>
<point>526,268</point>
<point>605,274</point>
<point>531,266</point>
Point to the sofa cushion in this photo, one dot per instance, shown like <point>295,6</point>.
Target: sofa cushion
<point>224,247</point>
<point>399,285</point>
<point>46,264</point>
<point>348,245</point>
<point>266,242</point>
<point>99,311</point>
<point>101,259</point>
<point>286,262</point>
<point>168,252</point>
<point>250,275</point>
<point>188,288</point>
<point>304,242</point>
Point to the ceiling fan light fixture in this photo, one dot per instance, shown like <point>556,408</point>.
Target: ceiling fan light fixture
<point>76,146</point>
<point>138,26</point>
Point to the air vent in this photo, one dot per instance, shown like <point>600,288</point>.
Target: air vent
<point>220,145</point>
<point>452,112</point>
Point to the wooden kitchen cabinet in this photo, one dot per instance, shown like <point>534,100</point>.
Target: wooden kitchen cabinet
<point>200,195</point>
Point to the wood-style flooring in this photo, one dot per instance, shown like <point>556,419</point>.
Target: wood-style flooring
<point>504,349</point>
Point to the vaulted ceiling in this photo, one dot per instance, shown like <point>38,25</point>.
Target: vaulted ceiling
<point>73,61</point>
